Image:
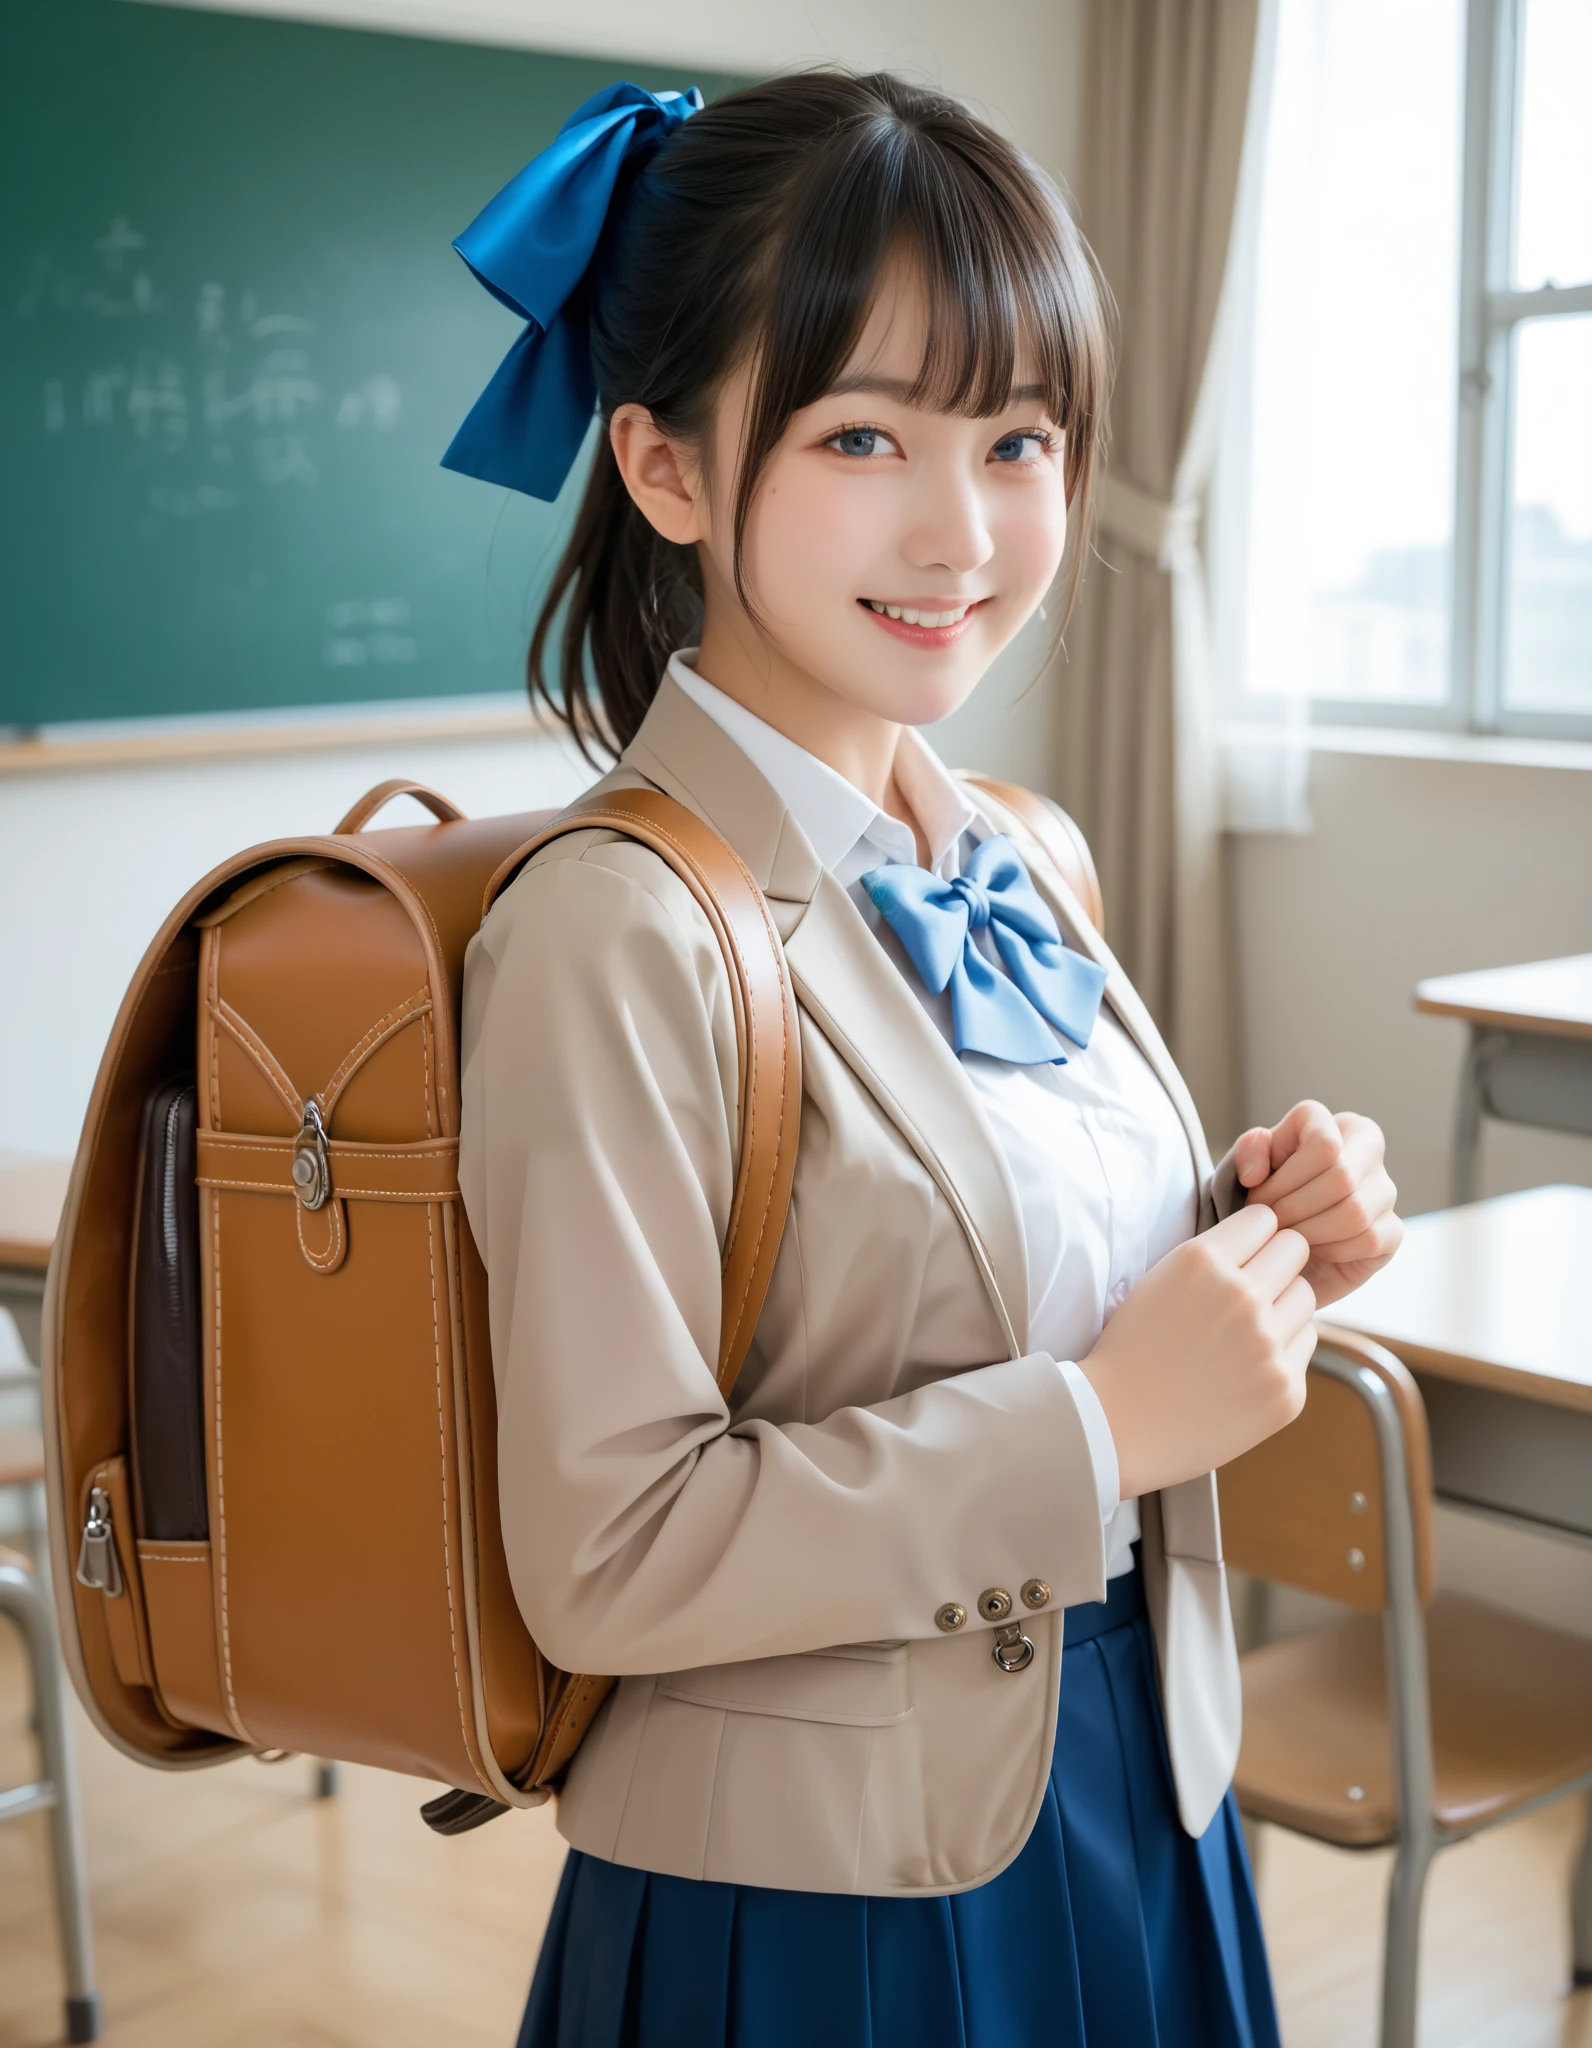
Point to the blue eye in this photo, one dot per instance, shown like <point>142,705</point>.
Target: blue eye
<point>857,441</point>
<point>1015,447</point>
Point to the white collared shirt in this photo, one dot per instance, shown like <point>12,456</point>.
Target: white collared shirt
<point>1097,1152</point>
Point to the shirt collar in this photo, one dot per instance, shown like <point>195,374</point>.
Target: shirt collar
<point>847,830</point>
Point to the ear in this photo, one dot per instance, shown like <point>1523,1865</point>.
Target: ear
<point>658,475</point>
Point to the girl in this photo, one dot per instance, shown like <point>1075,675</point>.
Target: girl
<point>848,354</point>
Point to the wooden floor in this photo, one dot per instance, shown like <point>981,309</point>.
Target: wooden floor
<point>233,1911</point>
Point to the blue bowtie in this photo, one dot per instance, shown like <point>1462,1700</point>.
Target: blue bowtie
<point>1046,982</point>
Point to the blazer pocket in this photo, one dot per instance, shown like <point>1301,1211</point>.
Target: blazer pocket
<point>856,1685</point>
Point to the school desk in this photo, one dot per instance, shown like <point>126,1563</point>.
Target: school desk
<point>1490,1306</point>
<point>1529,1059</point>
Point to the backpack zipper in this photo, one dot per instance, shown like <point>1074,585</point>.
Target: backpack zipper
<point>98,1565</point>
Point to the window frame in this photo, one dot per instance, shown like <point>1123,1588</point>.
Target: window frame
<point>1491,312</point>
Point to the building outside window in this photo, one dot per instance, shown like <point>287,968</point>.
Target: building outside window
<point>1415,452</point>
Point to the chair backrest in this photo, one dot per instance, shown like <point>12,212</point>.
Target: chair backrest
<point>1309,1507</point>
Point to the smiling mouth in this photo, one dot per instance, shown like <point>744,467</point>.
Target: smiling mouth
<point>917,615</point>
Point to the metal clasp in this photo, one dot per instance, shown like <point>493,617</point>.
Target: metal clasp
<point>1013,1650</point>
<point>98,1565</point>
<point>312,1166</point>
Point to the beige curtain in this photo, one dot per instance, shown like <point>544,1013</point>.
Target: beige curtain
<point>1173,92</point>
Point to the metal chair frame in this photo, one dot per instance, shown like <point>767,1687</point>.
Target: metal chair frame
<point>1409,1700</point>
<point>27,1603</point>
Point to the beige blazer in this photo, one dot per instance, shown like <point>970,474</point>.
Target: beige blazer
<point>765,1576</point>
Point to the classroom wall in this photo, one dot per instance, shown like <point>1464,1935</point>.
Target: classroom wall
<point>1017,60</point>
<point>1415,867</point>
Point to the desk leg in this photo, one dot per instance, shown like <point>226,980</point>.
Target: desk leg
<point>1581,1908</point>
<point>1467,1116</point>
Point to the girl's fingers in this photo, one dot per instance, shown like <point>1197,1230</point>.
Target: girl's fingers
<point>1380,1241</point>
<point>1252,1157</point>
<point>1347,1166</point>
<point>1306,1143</point>
<point>1294,1308</point>
<point>1240,1236</point>
<point>1351,1217</point>
<point>1277,1264</point>
<point>1299,1350</point>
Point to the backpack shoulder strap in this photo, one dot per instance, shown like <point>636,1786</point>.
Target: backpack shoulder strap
<point>766,1032</point>
<point>1058,837</point>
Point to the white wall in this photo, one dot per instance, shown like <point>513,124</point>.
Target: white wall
<point>1016,60</point>
<point>1415,867</point>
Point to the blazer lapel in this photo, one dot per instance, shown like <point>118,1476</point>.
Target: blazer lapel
<point>849,988</point>
<point>853,993</point>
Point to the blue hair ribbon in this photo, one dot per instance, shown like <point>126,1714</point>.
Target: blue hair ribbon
<point>531,247</point>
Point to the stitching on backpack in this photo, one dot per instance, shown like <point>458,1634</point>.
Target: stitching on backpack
<point>425,1058</point>
<point>148,1556</point>
<point>442,1450</point>
<point>751,1044</point>
<point>441,954</point>
<point>329,1260</point>
<point>215,1247</point>
<point>779,1134</point>
<point>324,1262</point>
<point>240,1141</point>
<point>384,1027</point>
<point>442,1438</point>
<point>221,1491</point>
<point>257,1049</point>
<point>343,1194</point>
<point>214,996</point>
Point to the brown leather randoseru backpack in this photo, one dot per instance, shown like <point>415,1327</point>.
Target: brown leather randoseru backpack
<point>269,1401</point>
<point>269,1397</point>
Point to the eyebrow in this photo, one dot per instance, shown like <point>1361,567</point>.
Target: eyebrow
<point>900,388</point>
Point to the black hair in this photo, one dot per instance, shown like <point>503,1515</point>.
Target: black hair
<point>758,233</point>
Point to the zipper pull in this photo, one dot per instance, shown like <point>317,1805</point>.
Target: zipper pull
<point>97,1563</point>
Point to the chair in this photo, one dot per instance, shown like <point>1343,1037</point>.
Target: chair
<point>1420,1718</point>
<point>24,1600</point>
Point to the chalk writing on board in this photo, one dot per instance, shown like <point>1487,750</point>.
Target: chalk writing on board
<point>233,387</point>
<point>379,400</point>
<point>369,630</point>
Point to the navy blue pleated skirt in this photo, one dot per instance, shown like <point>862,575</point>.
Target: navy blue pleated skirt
<point>1112,1928</point>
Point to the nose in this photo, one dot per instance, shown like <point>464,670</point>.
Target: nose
<point>948,528</point>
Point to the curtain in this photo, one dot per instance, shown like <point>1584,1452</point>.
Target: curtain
<point>1174,94</point>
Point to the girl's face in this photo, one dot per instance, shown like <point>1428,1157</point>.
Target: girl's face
<point>890,552</point>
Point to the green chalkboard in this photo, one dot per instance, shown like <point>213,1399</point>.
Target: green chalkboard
<point>235,344</point>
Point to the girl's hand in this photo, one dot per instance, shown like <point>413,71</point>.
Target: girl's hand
<point>1323,1176</point>
<point>1207,1355</point>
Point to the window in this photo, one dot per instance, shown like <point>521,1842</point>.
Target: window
<point>1417,444</point>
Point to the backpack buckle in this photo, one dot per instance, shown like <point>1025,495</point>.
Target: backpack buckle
<point>312,1166</point>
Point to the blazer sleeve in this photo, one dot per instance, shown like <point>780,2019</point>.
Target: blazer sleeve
<point>645,1531</point>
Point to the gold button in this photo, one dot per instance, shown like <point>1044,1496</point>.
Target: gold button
<point>950,1617</point>
<point>995,1603</point>
<point>1036,1594</point>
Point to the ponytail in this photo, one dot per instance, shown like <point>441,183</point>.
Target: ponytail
<point>629,599</point>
